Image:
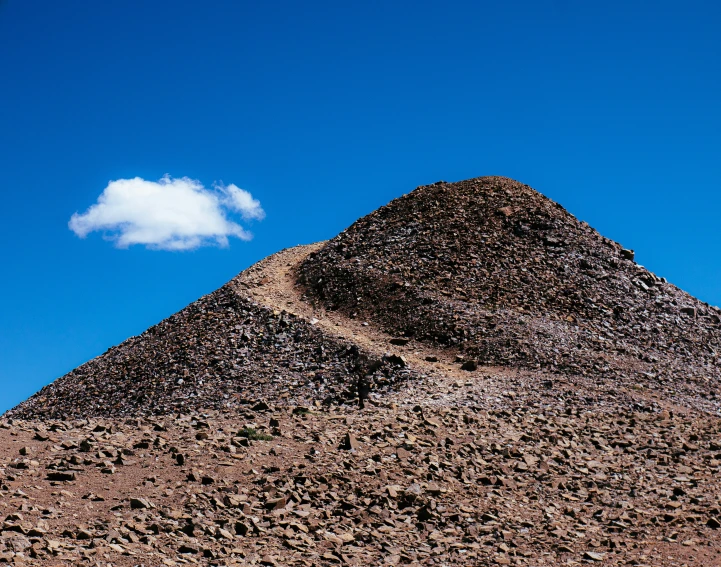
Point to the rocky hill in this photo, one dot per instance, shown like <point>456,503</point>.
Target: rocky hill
<point>506,276</point>
<point>467,376</point>
<point>222,351</point>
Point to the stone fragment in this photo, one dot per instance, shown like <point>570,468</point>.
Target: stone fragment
<point>350,443</point>
<point>627,254</point>
<point>60,476</point>
<point>139,504</point>
<point>275,503</point>
<point>403,454</point>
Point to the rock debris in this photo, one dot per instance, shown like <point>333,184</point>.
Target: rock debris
<point>467,376</point>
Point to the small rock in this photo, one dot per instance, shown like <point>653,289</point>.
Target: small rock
<point>275,503</point>
<point>139,504</point>
<point>403,454</point>
<point>61,476</point>
<point>350,443</point>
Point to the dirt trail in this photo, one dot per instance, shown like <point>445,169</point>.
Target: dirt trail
<point>272,282</point>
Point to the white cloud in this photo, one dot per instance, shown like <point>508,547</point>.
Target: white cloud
<point>241,201</point>
<point>169,214</point>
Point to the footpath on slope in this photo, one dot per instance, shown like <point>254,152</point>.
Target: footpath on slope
<point>273,282</point>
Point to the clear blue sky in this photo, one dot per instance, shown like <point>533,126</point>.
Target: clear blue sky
<point>325,111</point>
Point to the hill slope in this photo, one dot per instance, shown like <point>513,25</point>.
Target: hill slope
<point>222,351</point>
<point>595,438</point>
<point>496,270</point>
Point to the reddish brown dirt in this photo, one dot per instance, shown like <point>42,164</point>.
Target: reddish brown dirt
<point>457,468</point>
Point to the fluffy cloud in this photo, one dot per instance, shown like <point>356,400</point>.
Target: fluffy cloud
<point>169,214</point>
<point>241,201</point>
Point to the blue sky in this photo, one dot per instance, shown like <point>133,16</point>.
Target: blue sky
<point>323,111</point>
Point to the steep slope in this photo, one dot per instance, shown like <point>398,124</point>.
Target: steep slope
<point>494,269</point>
<point>222,351</point>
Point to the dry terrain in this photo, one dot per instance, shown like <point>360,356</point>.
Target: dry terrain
<point>232,433</point>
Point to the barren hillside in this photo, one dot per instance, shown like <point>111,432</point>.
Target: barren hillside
<point>467,376</point>
<point>496,270</point>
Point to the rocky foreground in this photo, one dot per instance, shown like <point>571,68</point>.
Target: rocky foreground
<point>469,376</point>
<point>530,484</point>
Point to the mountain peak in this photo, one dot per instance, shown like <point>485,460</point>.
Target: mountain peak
<point>487,270</point>
<point>496,270</point>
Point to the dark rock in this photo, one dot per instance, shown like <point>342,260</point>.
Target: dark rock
<point>139,504</point>
<point>350,443</point>
<point>61,476</point>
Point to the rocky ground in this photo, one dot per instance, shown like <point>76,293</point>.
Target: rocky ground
<point>231,433</point>
<point>393,484</point>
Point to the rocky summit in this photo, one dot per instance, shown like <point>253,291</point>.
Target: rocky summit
<point>499,272</point>
<point>467,376</point>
